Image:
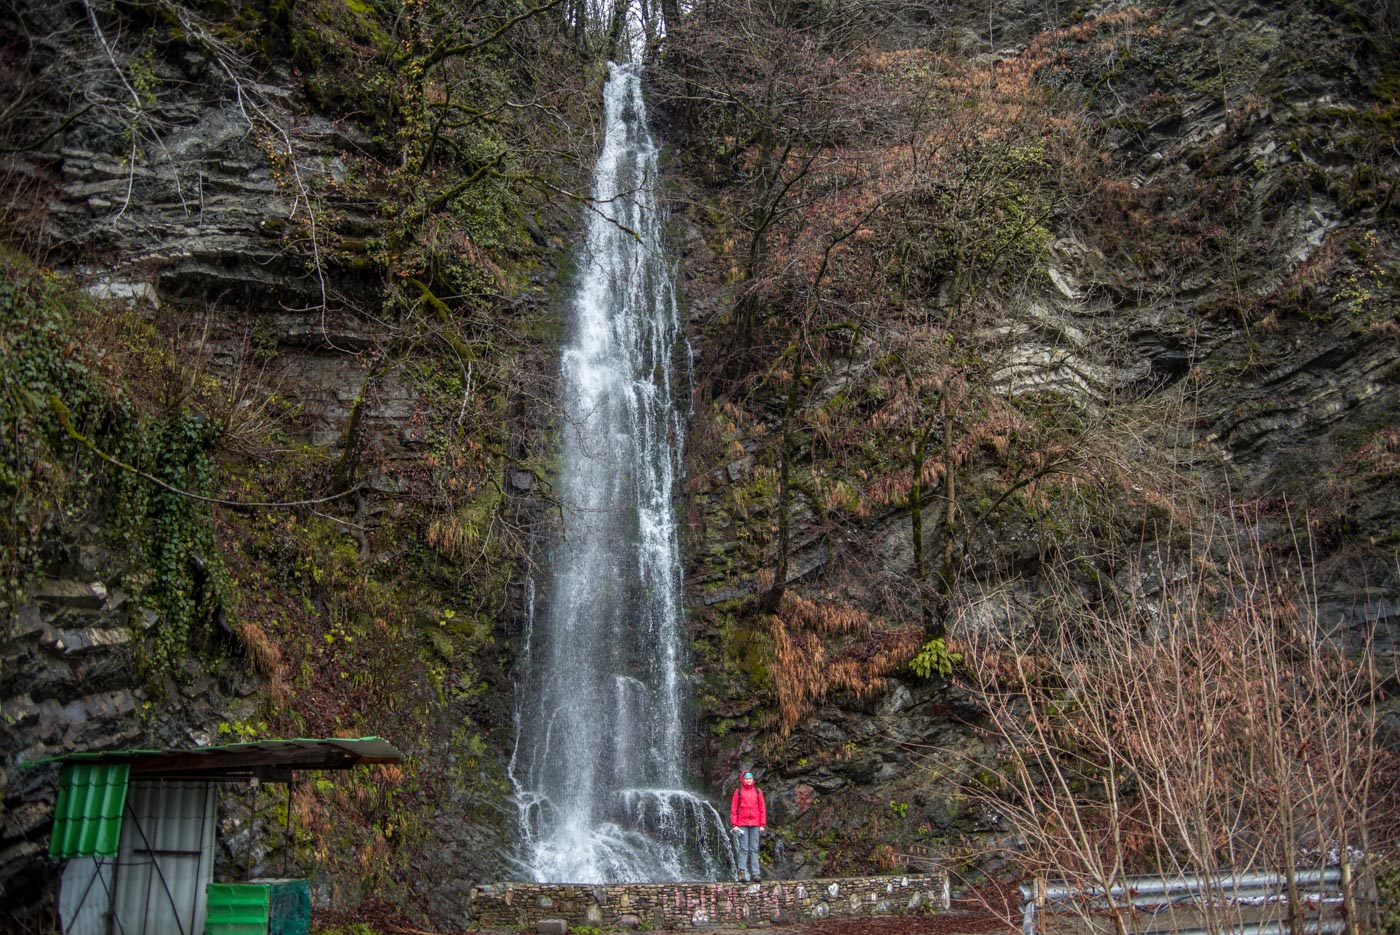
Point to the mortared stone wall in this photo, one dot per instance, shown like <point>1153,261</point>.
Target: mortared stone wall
<point>697,905</point>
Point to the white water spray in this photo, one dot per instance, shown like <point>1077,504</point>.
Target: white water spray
<point>599,750</point>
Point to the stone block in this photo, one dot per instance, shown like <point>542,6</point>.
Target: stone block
<point>16,711</point>
<point>12,855</point>
<point>65,592</point>
<point>28,819</point>
<point>551,927</point>
<point>28,619</point>
<point>89,639</point>
<point>740,469</point>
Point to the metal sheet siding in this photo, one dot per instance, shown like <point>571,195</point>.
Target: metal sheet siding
<point>238,909</point>
<point>166,861</point>
<point>85,895</point>
<point>88,817</point>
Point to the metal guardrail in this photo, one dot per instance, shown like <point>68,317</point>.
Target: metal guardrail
<point>1320,888</point>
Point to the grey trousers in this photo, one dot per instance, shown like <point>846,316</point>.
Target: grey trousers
<point>746,844</point>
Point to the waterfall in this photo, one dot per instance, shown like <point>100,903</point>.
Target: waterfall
<point>597,765</point>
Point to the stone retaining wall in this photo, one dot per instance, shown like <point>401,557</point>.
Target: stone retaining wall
<point>697,905</point>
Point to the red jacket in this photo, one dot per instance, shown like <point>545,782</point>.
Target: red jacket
<point>746,808</point>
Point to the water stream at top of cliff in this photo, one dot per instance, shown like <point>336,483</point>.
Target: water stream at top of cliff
<point>598,764</point>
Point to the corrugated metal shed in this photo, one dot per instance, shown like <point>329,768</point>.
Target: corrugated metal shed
<point>87,819</point>
<point>85,895</point>
<point>157,882</point>
<point>139,827</point>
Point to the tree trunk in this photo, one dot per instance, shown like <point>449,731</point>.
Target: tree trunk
<point>774,597</point>
<point>950,531</point>
<point>343,474</point>
<point>919,454</point>
<point>670,14</point>
<point>618,49</point>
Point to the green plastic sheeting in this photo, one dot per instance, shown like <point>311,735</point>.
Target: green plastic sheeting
<point>87,820</point>
<point>291,907</point>
<point>274,907</point>
<point>237,909</point>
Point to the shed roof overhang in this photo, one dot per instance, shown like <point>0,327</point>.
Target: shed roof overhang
<point>268,760</point>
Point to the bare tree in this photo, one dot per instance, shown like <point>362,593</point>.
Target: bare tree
<point>1217,725</point>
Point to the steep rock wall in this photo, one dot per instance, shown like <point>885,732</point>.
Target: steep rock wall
<point>1231,272</point>
<point>365,342</point>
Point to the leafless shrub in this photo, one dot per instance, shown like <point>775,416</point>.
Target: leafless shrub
<point>1216,725</point>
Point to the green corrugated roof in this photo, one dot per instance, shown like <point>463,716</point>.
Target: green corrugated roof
<point>87,820</point>
<point>238,909</point>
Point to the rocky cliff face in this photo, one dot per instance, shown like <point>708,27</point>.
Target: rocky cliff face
<point>269,242</point>
<point>1229,276</point>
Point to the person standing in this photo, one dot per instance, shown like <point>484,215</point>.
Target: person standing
<point>749,817</point>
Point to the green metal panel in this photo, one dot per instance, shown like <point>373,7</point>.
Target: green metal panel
<point>87,820</point>
<point>267,907</point>
<point>238,909</point>
<point>291,907</point>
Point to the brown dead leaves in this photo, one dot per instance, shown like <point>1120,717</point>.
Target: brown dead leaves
<point>825,647</point>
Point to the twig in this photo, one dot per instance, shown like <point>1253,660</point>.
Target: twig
<point>61,412</point>
<point>136,109</point>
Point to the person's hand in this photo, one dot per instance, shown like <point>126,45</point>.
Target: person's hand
<point>734,828</point>
<point>762,827</point>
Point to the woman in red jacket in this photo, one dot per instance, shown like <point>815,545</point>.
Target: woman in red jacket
<point>748,816</point>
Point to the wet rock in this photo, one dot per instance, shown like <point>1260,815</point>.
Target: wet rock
<point>86,640</point>
<point>897,699</point>
<point>28,619</point>
<point>65,592</point>
<point>738,470</point>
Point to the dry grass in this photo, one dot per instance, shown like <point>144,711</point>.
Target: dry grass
<point>806,668</point>
<point>267,660</point>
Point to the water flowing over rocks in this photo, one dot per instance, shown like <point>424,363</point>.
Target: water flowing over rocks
<point>599,764</point>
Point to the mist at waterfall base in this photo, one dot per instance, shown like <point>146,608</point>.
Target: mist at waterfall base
<point>599,750</point>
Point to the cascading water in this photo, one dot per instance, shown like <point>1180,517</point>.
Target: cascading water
<point>597,765</point>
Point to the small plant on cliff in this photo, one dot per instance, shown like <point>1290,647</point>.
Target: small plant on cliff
<point>934,658</point>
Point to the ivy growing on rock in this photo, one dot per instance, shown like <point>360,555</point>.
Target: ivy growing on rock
<point>169,536</point>
<point>39,481</point>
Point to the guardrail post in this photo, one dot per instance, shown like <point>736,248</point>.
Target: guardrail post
<point>1038,907</point>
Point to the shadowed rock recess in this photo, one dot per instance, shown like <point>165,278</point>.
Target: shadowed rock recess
<point>988,322</point>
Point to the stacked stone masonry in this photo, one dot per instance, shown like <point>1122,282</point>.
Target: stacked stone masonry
<point>699,905</point>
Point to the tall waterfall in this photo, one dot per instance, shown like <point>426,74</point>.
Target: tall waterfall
<point>598,759</point>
